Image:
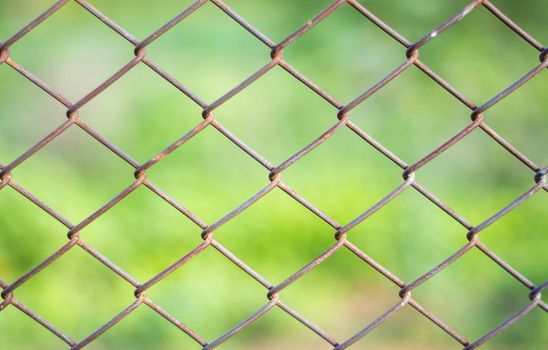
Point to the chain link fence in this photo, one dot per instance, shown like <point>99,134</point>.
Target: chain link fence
<point>342,241</point>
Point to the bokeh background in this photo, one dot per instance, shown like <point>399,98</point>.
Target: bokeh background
<point>345,54</point>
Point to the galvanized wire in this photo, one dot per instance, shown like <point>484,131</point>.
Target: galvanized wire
<point>410,57</point>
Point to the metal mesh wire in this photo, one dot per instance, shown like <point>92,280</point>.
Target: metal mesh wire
<point>341,238</point>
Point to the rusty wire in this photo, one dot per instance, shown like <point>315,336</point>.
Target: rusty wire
<point>342,111</point>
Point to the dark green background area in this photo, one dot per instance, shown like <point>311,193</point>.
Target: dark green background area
<point>345,54</point>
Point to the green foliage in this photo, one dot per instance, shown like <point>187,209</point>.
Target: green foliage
<point>277,115</point>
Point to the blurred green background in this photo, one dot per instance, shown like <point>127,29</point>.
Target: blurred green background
<point>277,115</point>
